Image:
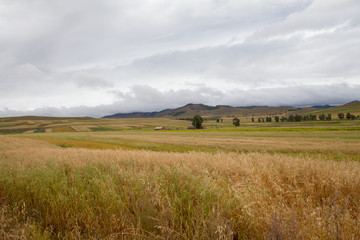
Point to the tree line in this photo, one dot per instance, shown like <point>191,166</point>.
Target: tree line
<point>197,120</point>
<point>308,117</point>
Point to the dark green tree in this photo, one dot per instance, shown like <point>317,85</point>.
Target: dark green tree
<point>322,117</point>
<point>328,117</point>
<point>253,119</point>
<point>277,119</point>
<point>297,118</point>
<point>349,116</point>
<point>341,116</point>
<point>236,122</point>
<point>291,118</point>
<point>312,117</point>
<point>197,121</point>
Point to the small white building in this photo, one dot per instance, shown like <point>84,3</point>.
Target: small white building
<point>159,128</point>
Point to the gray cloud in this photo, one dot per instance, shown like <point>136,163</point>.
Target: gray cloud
<point>83,79</point>
<point>90,57</point>
<point>146,98</point>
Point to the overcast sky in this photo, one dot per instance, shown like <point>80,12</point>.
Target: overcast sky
<point>99,57</point>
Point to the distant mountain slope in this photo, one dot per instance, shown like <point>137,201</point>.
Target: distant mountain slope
<point>322,106</point>
<point>133,115</point>
<point>352,107</point>
<point>190,110</point>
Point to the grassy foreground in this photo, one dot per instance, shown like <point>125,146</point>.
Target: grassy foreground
<point>50,192</point>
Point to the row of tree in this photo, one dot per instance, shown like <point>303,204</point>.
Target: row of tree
<point>309,117</point>
<point>197,120</point>
<point>349,116</point>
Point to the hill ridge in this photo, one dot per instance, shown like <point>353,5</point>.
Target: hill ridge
<point>190,109</point>
<point>352,107</point>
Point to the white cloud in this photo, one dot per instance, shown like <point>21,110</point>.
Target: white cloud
<point>58,55</point>
<point>86,80</point>
<point>146,98</point>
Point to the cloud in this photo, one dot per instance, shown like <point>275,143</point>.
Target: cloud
<point>85,80</point>
<point>146,98</point>
<point>72,34</point>
<point>60,55</point>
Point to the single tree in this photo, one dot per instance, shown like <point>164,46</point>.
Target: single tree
<point>291,118</point>
<point>297,118</point>
<point>253,119</point>
<point>341,116</point>
<point>236,122</point>
<point>348,116</point>
<point>277,119</point>
<point>312,117</point>
<point>328,117</point>
<point>322,117</point>
<point>197,121</point>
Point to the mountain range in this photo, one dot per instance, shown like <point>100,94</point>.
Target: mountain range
<point>189,110</point>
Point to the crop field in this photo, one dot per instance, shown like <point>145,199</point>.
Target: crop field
<point>120,179</point>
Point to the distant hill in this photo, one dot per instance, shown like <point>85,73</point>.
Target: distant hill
<point>189,110</point>
<point>351,107</point>
<point>322,106</point>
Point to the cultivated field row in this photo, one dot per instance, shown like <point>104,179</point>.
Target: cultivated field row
<point>334,145</point>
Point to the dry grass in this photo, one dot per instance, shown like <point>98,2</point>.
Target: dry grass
<point>240,142</point>
<point>340,145</point>
<point>114,194</point>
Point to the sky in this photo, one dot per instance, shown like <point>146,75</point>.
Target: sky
<point>100,57</point>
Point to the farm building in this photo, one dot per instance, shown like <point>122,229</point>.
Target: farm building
<point>159,128</point>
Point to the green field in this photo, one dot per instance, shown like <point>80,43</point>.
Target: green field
<point>85,178</point>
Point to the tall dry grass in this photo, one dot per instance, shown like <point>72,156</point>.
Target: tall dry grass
<point>48,192</point>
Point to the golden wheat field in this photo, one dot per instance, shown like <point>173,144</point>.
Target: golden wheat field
<point>180,185</point>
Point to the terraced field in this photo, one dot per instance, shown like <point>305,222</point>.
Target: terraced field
<point>23,124</point>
